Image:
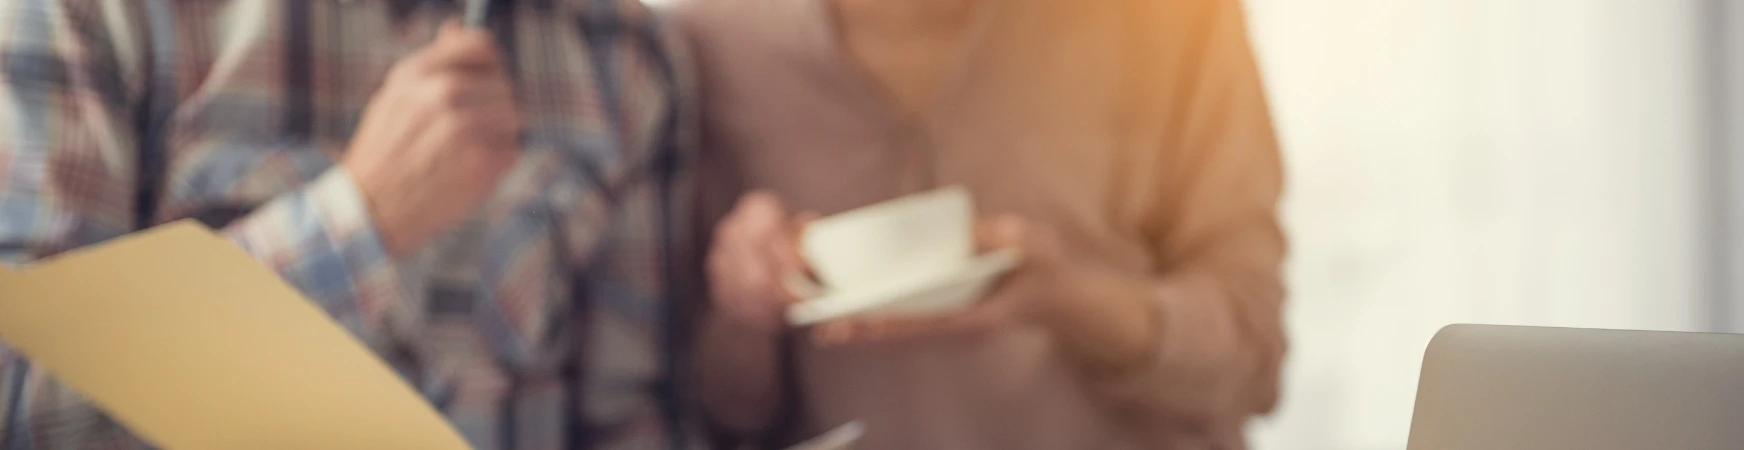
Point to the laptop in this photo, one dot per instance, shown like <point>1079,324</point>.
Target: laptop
<point>1525,388</point>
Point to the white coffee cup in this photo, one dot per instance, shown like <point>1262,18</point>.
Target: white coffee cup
<point>891,242</point>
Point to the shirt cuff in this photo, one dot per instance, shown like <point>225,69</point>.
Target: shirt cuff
<point>322,241</point>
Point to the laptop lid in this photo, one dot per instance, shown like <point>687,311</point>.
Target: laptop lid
<point>1508,388</point>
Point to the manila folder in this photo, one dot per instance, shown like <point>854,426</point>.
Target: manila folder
<point>189,342</point>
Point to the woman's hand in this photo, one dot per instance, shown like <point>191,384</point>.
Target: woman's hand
<point>754,257</point>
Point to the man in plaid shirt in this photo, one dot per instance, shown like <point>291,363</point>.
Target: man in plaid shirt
<point>495,215</point>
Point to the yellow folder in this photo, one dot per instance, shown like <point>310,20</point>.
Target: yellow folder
<point>186,340</point>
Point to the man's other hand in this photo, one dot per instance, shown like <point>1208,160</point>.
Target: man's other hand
<point>436,138</point>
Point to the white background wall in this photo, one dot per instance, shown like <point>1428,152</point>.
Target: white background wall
<point>1494,161</point>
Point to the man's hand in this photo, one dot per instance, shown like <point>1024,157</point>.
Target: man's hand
<point>435,139</point>
<point>754,263</point>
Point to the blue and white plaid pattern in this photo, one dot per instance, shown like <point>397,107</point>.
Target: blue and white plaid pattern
<point>547,323</point>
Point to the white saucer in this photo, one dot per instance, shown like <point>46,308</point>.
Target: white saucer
<point>937,293</point>
<point>841,438</point>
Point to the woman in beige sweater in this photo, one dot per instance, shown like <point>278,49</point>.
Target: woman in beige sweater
<point>1123,146</point>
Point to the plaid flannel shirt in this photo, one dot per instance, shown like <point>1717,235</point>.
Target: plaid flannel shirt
<point>547,322</point>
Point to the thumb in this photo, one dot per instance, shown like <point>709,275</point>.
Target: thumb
<point>451,26</point>
<point>796,227</point>
<point>804,219</point>
<point>999,232</point>
<point>458,45</point>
